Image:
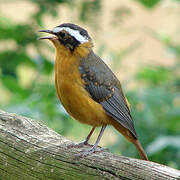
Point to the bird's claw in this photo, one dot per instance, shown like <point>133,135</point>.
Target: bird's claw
<point>78,145</point>
<point>89,151</point>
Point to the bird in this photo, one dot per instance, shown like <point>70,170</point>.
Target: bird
<point>87,88</point>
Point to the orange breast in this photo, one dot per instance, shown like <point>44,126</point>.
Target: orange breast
<point>71,92</point>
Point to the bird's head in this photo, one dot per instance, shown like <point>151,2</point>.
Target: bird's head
<point>70,36</point>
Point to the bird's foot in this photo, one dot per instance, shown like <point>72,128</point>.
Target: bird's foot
<point>81,144</point>
<point>90,151</point>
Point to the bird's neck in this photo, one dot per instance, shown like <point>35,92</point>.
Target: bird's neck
<point>69,61</point>
<point>81,51</point>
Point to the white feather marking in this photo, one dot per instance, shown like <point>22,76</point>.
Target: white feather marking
<point>72,32</point>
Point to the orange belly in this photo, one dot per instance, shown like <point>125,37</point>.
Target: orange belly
<point>73,96</point>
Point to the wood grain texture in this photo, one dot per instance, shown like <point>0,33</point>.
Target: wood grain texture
<point>29,150</point>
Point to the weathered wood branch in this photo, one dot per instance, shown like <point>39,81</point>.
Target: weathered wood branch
<point>30,151</point>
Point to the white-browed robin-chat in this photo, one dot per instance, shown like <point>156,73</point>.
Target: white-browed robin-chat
<point>86,86</point>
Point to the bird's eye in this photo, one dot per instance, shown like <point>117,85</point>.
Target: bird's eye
<point>62,34</point>
<point>82,33</point>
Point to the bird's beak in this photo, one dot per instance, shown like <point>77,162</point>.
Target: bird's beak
<point>48,37</point>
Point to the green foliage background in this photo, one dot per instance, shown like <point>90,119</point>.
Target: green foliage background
<point>156,101</point>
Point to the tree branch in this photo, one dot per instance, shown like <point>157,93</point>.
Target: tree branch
<point>31,151</point>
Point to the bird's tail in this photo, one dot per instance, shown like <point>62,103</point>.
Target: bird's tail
<point>140,150</point>
<point>129,136</point>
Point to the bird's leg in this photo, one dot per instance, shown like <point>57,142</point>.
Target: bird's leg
<point>94,148</point>
<point>85,142</point>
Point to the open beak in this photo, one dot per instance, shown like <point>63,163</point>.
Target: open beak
<point>48,37</point>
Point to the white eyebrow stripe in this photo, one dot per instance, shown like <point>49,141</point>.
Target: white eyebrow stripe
<point>72,32</point>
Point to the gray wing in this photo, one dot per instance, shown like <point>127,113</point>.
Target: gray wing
<point>104,88</point>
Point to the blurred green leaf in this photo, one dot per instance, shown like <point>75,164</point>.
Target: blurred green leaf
<point>149,3</point>
<point>162,142</point>
<point>13,85</point>
<point>9,61</point>
<point>89,9</point>
<point>154,75</point>
<point>22,34</point>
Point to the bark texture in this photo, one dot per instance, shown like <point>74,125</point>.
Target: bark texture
<point>30,151</point>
